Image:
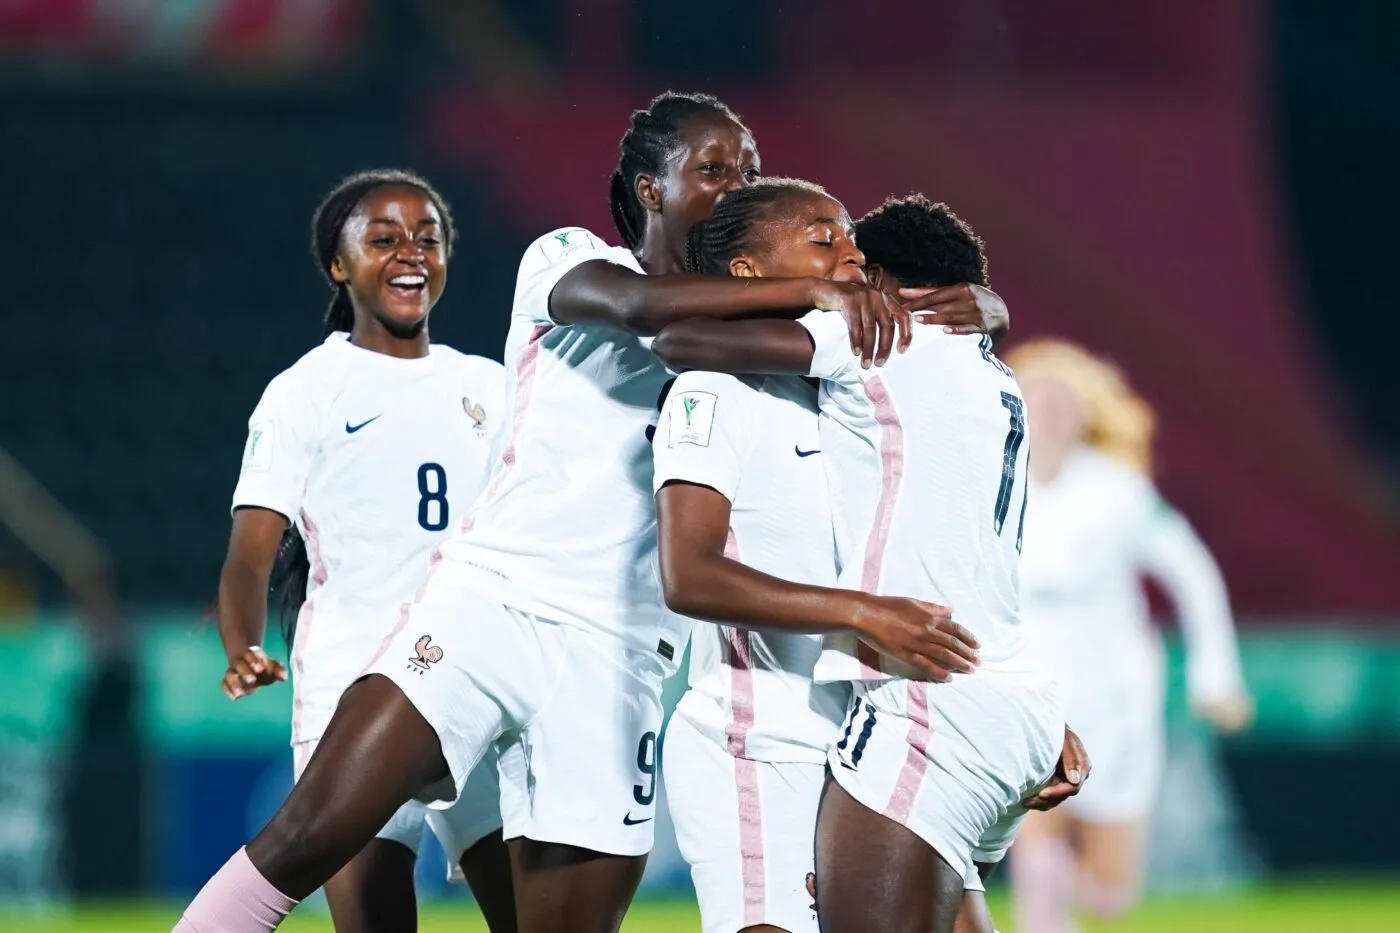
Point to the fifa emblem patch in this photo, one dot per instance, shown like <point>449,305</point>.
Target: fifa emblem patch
<point>427,654</point>
<point>476,413</point>
<point>692,417</point>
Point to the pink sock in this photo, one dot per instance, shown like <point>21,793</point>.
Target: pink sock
<point>1042,885</point>
<point>238,899</point>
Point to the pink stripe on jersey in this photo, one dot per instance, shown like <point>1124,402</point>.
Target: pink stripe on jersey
<point>906,788</point>
<point>891,472</point>
<point>305,617</point>
<point>751,841</point>
<point>434,559</point>
<point>525,367</point>
<point>739,660</point>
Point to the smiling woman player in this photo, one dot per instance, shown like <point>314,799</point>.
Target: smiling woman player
<point>541,622</point>
<point>369,446</point>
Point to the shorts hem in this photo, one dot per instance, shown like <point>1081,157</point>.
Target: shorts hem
<point>852,785</point>
<point>581,841</point>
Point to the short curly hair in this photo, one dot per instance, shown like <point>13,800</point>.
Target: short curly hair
<point>921,243</point>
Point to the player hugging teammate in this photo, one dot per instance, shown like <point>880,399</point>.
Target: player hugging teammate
<point>542,611</point>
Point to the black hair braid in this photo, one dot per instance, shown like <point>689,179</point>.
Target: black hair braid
<point>331,215</point>
<point>653,137</point>
<point>712,243</point>
<point>291,572</point>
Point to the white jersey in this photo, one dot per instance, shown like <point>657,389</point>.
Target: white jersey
<point>566,530</point>
<point>754,441</point>
<point>927,459</point>
<point>1091,534</point>
<point>372,457</point>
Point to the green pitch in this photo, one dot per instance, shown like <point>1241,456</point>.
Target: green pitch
<point>1300,908</point>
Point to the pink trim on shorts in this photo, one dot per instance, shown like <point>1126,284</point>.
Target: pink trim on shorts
<point>891,471</point>
<point>434,560</point>
<point>525,367</point>
<point>739,660</point>
<point>906,788</point>
<point>305,616</point>
<point>751,841</point>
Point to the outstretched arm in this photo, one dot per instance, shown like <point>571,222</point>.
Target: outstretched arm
<point>784,347</point>
<point>1174,555</point>
<point>700,580</point>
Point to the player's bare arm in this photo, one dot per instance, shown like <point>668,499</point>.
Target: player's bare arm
<point>700,581</point>
<point>252,549</point>
<point>782,347</point>
<point>605,293</point>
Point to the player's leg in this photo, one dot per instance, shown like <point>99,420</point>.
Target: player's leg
<point>745,828</point>
<point>874,874</point>
<point>566,889</point>
<point>486,868</point>
<point>376,754</point>
<point>380,750</point>
<point>1111,865</point>
<point>374,892</point>
<point>578,788</point>
<point>470,833</point>
<point>1043,871</point>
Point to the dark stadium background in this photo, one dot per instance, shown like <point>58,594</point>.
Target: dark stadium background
<point>1203,190</point>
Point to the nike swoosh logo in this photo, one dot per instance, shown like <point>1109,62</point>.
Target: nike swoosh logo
<point>804,453</point>
<point>628,821</point>
<point>349,429</point>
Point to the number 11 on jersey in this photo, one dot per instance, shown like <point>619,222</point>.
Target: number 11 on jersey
<point>1012,450</point>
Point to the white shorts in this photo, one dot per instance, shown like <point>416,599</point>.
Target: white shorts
<point>475,815</point>
<point>747,829</point>
<point>952,761</point>
<point>1122,722</point>
<point>577,714</point>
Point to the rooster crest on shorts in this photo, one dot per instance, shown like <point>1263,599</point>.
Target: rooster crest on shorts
<point>428,653</point>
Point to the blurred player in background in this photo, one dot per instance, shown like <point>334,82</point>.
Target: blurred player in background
<point>1094,526</point>
<point>369,446</point>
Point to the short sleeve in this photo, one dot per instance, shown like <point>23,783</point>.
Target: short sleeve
<point>549,259</point>
<point>831,342</point>
<point>705,432</point>
<point>278,452</point>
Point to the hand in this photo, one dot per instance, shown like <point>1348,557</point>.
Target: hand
<point>919,634</point>
<point>1070,774</point>
<point>876,321</point>
<point>962,309</point>
<point>249,671</point>
<point>1232,714</point>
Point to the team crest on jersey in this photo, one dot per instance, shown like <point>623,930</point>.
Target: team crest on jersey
<point>476,413</point>
<point>426,654</point>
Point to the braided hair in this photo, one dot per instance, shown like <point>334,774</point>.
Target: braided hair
<point>712,243</point>
<point>653,137</point>
<point>329,221</point>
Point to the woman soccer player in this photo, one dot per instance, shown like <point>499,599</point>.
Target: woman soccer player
<point>368,446</point>
<point>540,622</point>
<point>1095,525</point>
<point>742,508</point>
